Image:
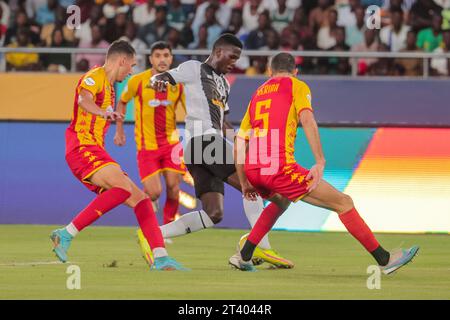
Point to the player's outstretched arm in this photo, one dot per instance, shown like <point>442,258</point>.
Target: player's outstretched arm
<point>120,137</point>
<point>86,101</point>
<point>311,129</point>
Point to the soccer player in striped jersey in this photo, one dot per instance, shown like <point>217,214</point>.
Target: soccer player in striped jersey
<point>271,120</point>
<point>159,149</point>
<point>92,165</point>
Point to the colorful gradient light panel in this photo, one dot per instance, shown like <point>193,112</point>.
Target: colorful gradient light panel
<point>400,184</point>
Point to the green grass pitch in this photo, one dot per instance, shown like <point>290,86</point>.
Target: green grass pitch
<point>328,266</point>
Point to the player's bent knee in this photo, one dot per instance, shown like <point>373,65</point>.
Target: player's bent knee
<point>216,215</point>
<point>345,203</point>
<point>173,192</point>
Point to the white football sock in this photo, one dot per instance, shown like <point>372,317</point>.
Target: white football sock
<point>253,210</point>
<point>187,223</point>
<point>71,229</point>
<point>159,252</point>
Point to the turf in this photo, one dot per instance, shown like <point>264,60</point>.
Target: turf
<point>328,266</point>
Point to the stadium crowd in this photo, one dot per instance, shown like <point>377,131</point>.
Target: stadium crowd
<point>329,25</point>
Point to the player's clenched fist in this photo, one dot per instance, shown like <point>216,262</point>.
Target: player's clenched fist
<point>111,115</point>
<point>248,191</point>
<point>158,84</point>
<point>314,176</point>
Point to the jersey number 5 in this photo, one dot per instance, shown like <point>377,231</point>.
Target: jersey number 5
<point>261,113</point>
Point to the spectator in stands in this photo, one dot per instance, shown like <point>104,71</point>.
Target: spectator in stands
<point>421,14</point>
<point>31,7</point>
<point>430,38</point>
<point>346,13</point>
<point>46,13</point>
<point>251,12</point>
<point>326,38</point>
<point>57,62</point>
<point>236,25</point>
<point>113,7</point>
<point>201,43</point>
<point>257,38</point>
<point>189,8</point>
<point>236,28</point>
<point>22,22</point>
<point>394,36</point>
<point>338,65</point>
<point>4,21</point>
<point>93,59</point>
<point>115,28</point>
<point>281,16</point>
<point>370,44</point>
<point>213,27</point>
<point>176,16</point>
<point>318,17</point>
<point>157,30</point>
<point>145,13</point>
<point>258,67</point>
<point>60,23</point>
<point>84,34</point>
<point>293,43</point>
<point>138,44</point>
<point>441,66</point>
<point>272,40</point>
<point>186,34</point>
<point>300,27</point>
<point>355,34</point>
<point>383,66</point>
<point>223,14</point>
<point>411,67</point>
<point>22,61</point>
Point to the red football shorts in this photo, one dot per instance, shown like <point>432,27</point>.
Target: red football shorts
<point>167,158</point>
<point>289,181</point>
<point>86,160</point>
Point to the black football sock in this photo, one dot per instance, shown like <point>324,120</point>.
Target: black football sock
<point>382,256</point>
<point>247,250</point>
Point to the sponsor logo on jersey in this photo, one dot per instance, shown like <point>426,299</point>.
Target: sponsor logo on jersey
<point>89,81</point>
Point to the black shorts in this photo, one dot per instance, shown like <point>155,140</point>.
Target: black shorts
<point>209,159</point>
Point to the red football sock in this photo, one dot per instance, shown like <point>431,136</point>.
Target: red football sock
<point>149,224</point>
<point>359,229</point>
<point>103,203</point>
<point>264,223</point>
<point>170,210</point>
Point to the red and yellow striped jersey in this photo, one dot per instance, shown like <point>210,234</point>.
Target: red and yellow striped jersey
<point>154,112</point>
<point>85,127</point>
<point>271,121</point>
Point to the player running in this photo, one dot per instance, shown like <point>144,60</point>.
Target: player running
<point>156,136</point>
<point>209,157</point>
<point>92,165</point>
<point>271,120</point>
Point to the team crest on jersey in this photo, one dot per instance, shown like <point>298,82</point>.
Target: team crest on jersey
<point>89,81</point>
<point>173,88</point>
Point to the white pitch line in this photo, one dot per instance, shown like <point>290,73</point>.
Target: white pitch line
<point>36,263</point>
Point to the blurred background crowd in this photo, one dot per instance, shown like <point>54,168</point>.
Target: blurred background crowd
<point>327,25</point>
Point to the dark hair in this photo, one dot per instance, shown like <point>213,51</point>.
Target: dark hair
<point>282,62</point>
<point>160,45</point>
<point>120,47</point>
<point>161,8</point>
<point>227,39</point>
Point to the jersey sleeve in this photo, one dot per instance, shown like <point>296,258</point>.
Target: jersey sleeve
<point>245,128</point>
<point>186,72</point>
<point>129,92</point>
<point>92,82</point>
<point>301,96</point>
